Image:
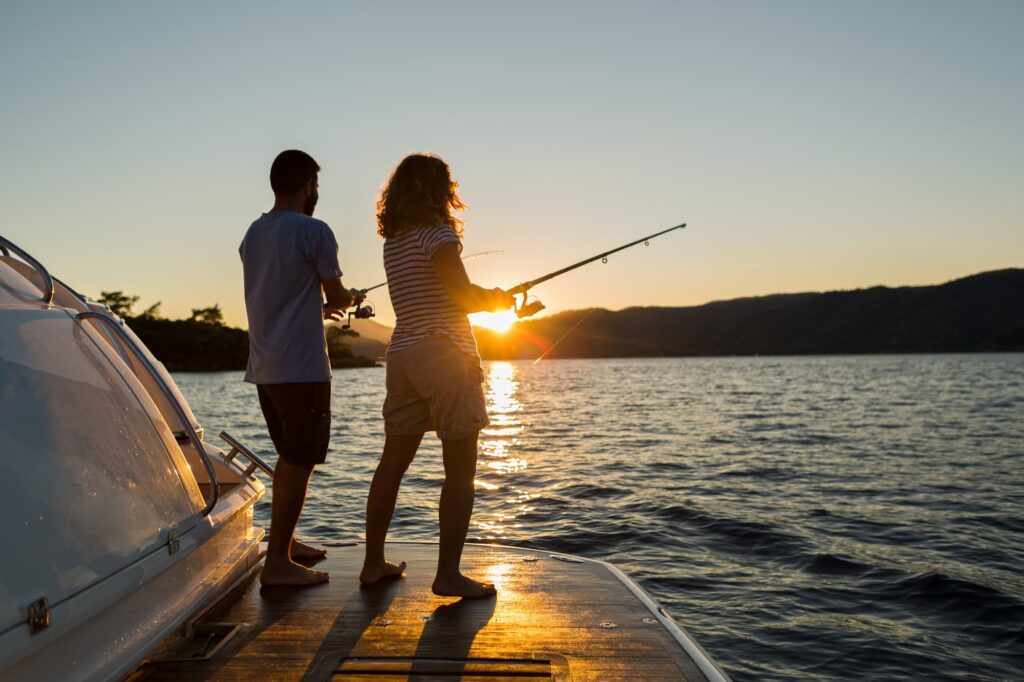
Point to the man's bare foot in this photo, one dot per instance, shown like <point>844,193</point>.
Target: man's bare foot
<point>300,551</point>
<point>461,586</point>
<point>375,572</point>
<point>290,574</point>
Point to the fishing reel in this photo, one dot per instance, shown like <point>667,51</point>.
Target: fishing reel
<point>525,307</point>
<point>363,311</point>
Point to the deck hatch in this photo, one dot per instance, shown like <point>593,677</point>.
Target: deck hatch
<point>538,668</point>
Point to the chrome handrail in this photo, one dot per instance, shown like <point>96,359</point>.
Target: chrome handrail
<point>255,461</point>
<point>6,245</point>
<point>196,442</point>
<point>80,297</point>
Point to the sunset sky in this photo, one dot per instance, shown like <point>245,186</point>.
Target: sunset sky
<point>809,145</point>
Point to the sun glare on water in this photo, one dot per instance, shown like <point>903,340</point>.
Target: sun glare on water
<point>496,322</point>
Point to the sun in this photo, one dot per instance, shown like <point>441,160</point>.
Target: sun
<point>496,322</point>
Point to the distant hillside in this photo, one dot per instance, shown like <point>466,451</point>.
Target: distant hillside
<point>983,312</point>
<point>373,338</point>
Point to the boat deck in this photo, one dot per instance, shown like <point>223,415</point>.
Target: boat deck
<point>552,619</point>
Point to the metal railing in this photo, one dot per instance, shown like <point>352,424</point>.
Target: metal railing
<point>197,443</point>
<point>82,298</point>
<point>255,461</point>
<point>6,246</point>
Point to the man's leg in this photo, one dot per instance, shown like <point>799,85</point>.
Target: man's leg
<point>455,510</point>
<point>398,454</point>
<point>289,491</point>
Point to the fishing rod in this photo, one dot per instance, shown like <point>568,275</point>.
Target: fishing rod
<point>365,311</point>
<point>524,309</point>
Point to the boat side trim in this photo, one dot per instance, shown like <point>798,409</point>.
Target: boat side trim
<point>696,652</point>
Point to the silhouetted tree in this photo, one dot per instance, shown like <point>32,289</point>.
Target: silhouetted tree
<point>211,315</point>
<point>152,312</point>
<point>337,348</point>
<point>119,303</point>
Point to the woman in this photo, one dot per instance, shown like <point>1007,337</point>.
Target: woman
<point>433,369</point>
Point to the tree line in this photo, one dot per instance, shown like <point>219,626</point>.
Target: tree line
<point>202,342</point>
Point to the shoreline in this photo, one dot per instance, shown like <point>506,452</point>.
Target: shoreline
<point>380,363</point>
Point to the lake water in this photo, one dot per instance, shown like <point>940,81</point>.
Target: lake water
<point>807,517</point>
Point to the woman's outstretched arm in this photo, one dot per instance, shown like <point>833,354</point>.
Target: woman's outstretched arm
<point>468,296</point>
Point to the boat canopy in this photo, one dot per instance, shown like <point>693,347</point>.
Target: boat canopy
<point>90,472</point>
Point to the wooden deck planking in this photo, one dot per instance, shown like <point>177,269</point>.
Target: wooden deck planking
<point>543,607</point>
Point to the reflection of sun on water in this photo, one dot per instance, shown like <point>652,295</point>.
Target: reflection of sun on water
<point>499,460</point>
<point>502,386</point>
<point>496,322</point>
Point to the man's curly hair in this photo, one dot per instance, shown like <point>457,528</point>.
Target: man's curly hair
<point>420,193</point>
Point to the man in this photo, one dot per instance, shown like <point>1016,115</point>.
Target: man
<point>289,261</point>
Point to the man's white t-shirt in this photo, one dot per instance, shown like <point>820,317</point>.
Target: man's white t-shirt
<point>285,256</point>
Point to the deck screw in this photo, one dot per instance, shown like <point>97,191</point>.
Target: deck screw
<point>608,625</point>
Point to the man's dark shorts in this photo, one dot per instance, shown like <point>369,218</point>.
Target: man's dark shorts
<point>299,419</point>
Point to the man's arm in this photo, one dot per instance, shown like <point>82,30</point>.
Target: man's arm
<point>468,296</point>
<point>338,298</point>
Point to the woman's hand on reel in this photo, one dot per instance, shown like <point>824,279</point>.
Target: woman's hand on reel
<point>501,300</point>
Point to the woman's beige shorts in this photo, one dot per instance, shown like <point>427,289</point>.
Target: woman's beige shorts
<point>433,386</point>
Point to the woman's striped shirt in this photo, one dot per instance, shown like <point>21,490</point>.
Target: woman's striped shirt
<point>421,303</point>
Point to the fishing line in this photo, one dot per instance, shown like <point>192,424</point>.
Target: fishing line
<point>480,254</point>
<point>571,330</point>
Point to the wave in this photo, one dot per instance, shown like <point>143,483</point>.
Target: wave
<point>587,491</point>
<point>735,534</point>
<point>959,601</point>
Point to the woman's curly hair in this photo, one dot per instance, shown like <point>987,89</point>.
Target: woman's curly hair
<point>420,193</point>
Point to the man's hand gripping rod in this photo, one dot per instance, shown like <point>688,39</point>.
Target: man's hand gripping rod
<point>524,309</point>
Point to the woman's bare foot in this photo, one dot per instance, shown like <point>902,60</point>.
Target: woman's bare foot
<point>290,574</point>
<point>461,586</point>
<point>300,551</point>
<point>377,571</point>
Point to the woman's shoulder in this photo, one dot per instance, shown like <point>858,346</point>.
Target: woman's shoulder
<point>437,233</point>
<point>418,231</point>
<point>428,236</point>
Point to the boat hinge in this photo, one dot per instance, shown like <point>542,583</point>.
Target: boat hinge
<point>173,541</point>
<point>38,615</point>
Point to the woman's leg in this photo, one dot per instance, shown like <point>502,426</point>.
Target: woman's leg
<point>398,454</point>
<point>454,513</point>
